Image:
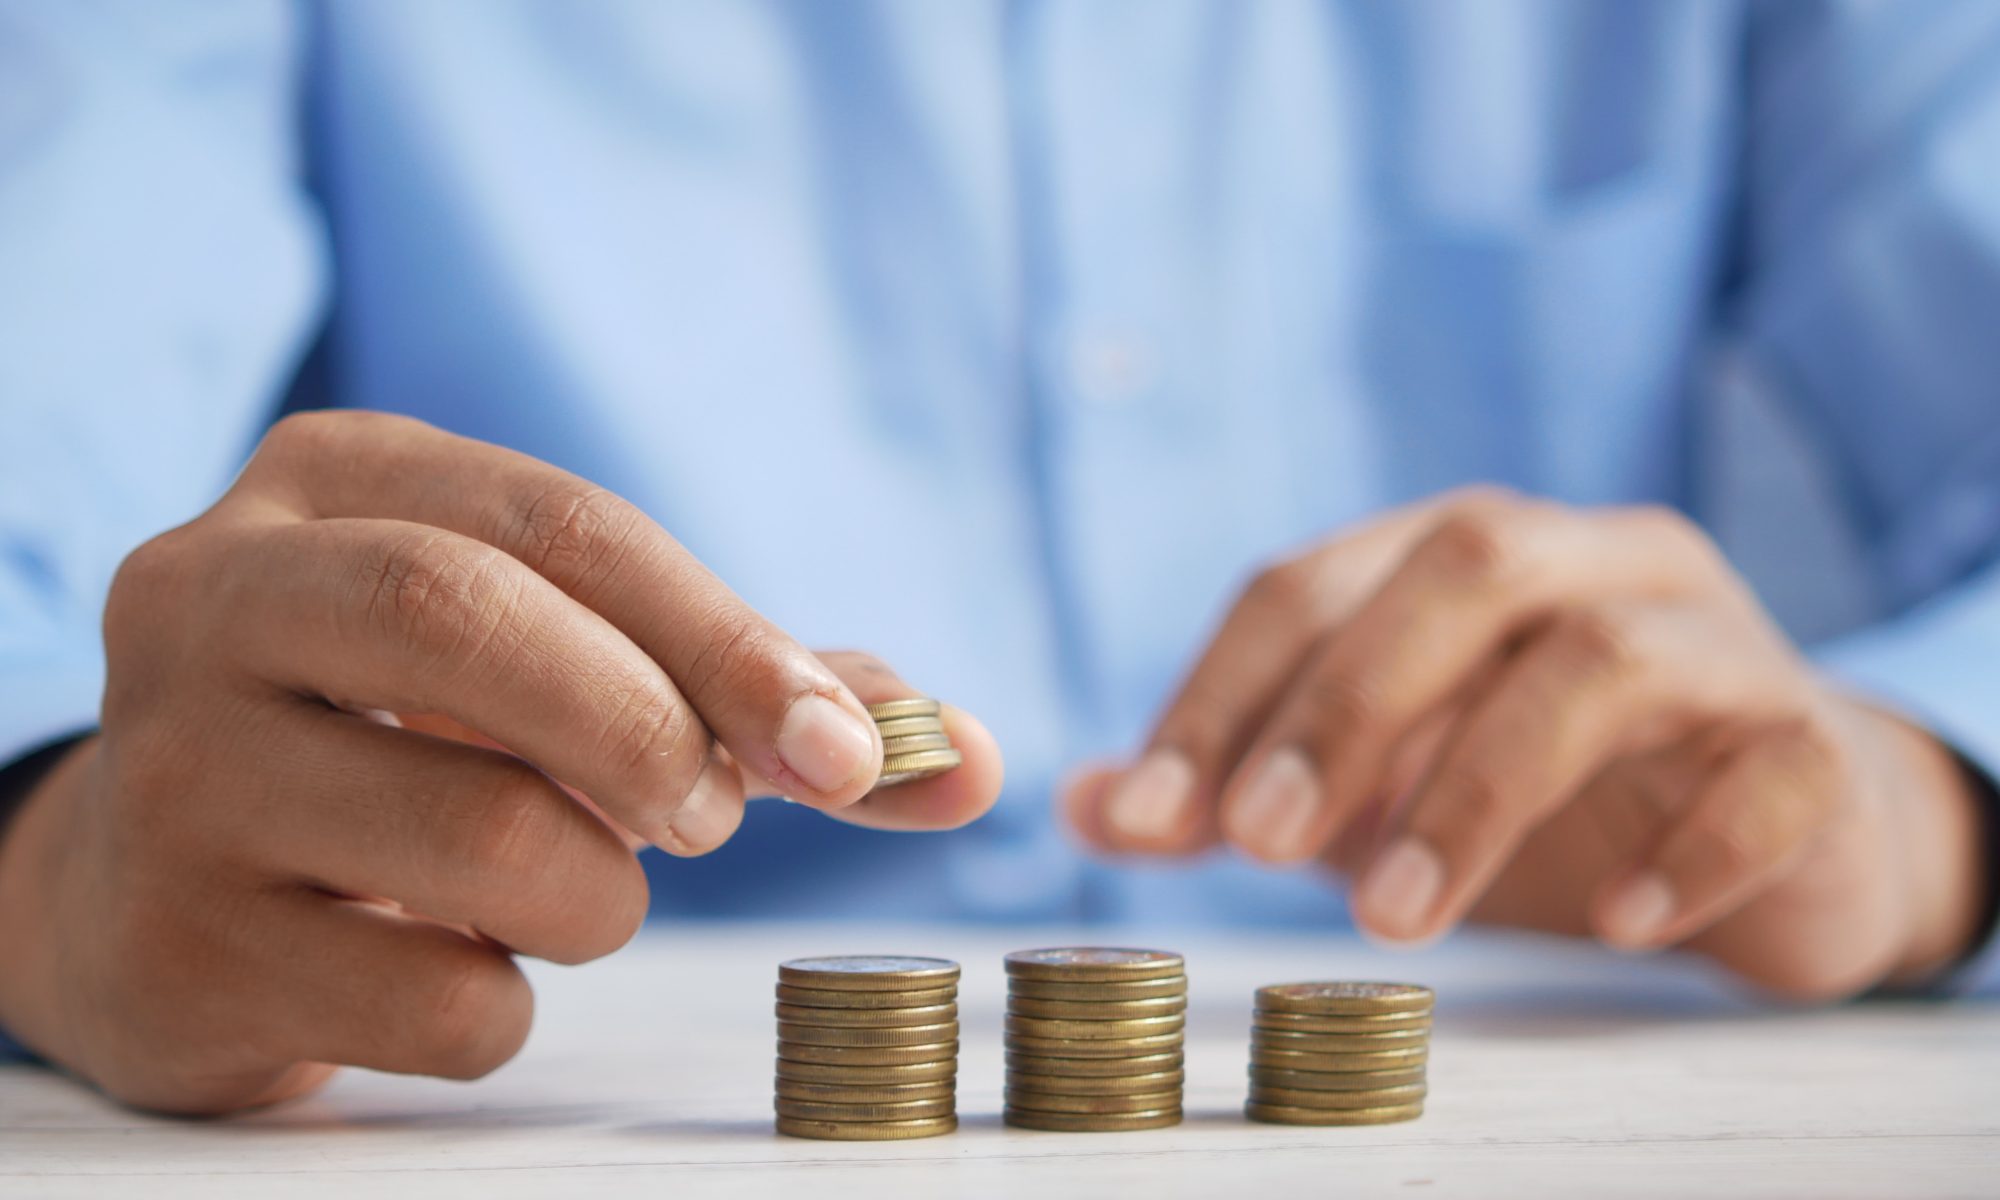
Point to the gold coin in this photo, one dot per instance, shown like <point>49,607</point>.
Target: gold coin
<point>905,1035</point>
<point>1066,1103</point>
<point>870,1056</point>
<point>868,973</point>
<point>944,1070</point>
<point>1131,1027</point>
<point>1300,1060</point>
<point>828,998</point>
<point>866,1018</point>
<point>1023,1118</point>
<point>1092,1010</point>
<point>1345,999</point>
<point>910,743</point>
<point>896,727</point>
<point>1311,1023</point>
<point>1300,1098</point>
<point>914,706</point>
<point>1093,964</point>
<point>908,768</point>
<point>1105,1085</point>
<point>907,1110</point>
<point>1094,1068</point>
<point>1102,1048</point>
<point>848,1093</point>
<point>1283,1114</point>
<point>866,1131</point>
<point>1340,1043</point>
<point>1137,989</point>
<point>1334,1081</point>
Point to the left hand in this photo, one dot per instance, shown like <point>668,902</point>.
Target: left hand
<point>1508,710</point>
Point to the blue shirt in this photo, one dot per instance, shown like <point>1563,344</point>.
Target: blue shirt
<point>1006,339</point>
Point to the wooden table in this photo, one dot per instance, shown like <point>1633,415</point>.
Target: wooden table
<point>1556,1069</point>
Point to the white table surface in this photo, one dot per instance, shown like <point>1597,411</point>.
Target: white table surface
<point>1555,1069</point>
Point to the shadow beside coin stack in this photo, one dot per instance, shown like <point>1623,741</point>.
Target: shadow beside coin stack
<point>1094,1039</point>
<point>1339,1053</point>
<point>914,743</point>
<point>867,1048</point>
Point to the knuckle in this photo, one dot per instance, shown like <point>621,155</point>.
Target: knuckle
<point>1680,536</point>
<point>652,733</point>
<point>1471,797</point>
<point>512,832</point>
<point>1596,643</point>
<point>736,656</point>
<point>1473,546</point>
<point>1344,701</point>
<point>478,1015</point>
<point>1726,847</point>
<point>445,598</point>
<point>1288,591</point>
<point>575,531</point>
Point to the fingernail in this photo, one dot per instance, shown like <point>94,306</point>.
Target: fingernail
<point>1638,910</point>
<point>1149,801</point>
<point>1275,809</point>
<point>708,816</point>
<point>823,744</point>
<point>1398,892</point>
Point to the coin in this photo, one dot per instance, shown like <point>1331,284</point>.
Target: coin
<point>869,1056</point>
<point>829,998</point>
<point>1300,1098</point>
<point>1334,1081</point>
<point>1024,1118</point>
<point>1345,999</point>
<point>1314,1023</point>
<point>1093,964</point>
<point>1340,1043</point>
<point>866,1131</point>
<point>1280,1114</point>
<point>1067,1103</point>
<point>896,727</point>
<point>867,1018</point>
<point>1089,1010</point>
<point>1107,1085</point>
<point>907,768</point>
<point>907,1035</point>
<point>907,1110</point>
<point>914,706</point>
<point>1093,1068</point>
<point>1136,989</point>
<point>849,1074</point>
<point>868,973</point>
<point>1299,1060</point>
<point>1131,1027</point>
<point>1101,1048</point>
<point>852,1093</point>
<point>910,743</point>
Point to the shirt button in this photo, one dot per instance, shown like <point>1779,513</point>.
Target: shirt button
<point>1108,371</point>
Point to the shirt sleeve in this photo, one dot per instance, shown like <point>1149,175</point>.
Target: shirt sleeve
<point>160,274</point>
<point>1870,300</point>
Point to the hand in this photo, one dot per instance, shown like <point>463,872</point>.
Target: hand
<point>256,871</point>
<point>1573,720</point>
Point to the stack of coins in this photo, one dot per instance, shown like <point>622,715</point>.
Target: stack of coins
<point>1339,1053</point>
<point>914,743</point>
<point>867,1048</point>
<point>1094,1039</point>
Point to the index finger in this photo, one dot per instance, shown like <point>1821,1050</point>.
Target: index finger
<point>776,707</point>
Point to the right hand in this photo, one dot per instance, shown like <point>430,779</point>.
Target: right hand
<point>260,868</point>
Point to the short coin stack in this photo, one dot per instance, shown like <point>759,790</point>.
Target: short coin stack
<point>1339,1053</point>
<point>914,743</point>
<point>867,1048</point>
<point>1094,1039</point>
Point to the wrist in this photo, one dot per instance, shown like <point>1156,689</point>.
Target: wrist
<point>31,852</point>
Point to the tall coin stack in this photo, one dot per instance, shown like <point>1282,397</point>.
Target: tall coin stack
<point>867,1048</point>
<point>1094,1039</point>
<point>914,743</point>
<point>1339,1053</point>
